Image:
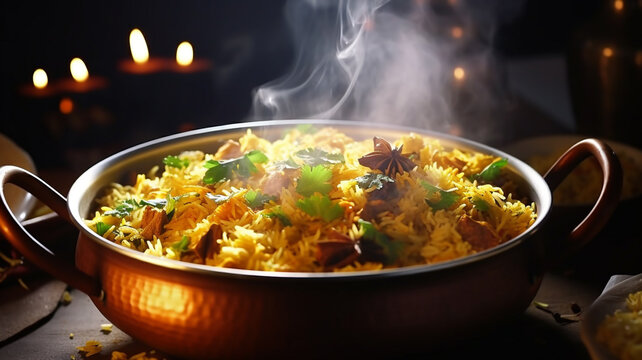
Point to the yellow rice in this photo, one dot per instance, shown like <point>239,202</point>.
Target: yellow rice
<point>250,240</point>
<point>621,331</point>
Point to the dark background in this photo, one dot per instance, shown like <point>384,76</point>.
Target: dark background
<point>248,43</point>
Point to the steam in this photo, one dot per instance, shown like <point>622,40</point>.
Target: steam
<point>388,62</point>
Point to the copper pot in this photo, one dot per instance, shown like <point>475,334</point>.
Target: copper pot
<point>198,311</point>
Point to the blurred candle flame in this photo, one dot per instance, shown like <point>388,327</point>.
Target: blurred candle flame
<point>40,79</point>
<point>459,73</point>
<point>78,70</point>
<point>66,106</point>
<point>607,52</point>
<point>138,46</point>
<point>184,54</point>
<point>618,5</point>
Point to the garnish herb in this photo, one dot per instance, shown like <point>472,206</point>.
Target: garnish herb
<point>320,206</point>
<point>175,161</point>
<point>376,180</point>
<point>219,199</point>
<point>156,203</point>
<point>314,179</point>
<point>125,208</point>
<point>480,204</point>
<point>439,199</point>
<point>101,228</point>
<point>257,157</point>
<point>170,207</point>
<point>243,166</point>
<point>181,245</point>
<point>256,199</point>
<point>306,128</point>
<point>491,171</point>
<point>289,164</point>
<point>390,249</point>
<point>277,212</point>
<point>314,157</point>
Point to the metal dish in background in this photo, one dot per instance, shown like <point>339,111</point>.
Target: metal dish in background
<point>196,311</point>
<point>613,298</point>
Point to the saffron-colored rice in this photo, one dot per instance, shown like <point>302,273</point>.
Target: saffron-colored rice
<point>251,239</point>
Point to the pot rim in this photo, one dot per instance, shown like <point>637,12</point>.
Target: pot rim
<point>74,199</point>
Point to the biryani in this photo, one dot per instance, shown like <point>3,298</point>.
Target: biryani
<point>621,331</point>
<point>317,200</point>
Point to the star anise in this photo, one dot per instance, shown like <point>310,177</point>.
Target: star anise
<point>387,159</point>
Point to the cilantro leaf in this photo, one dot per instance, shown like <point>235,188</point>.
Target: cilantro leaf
<point>314,157</point>
<point>480,204</point>
<point>101,228</point>
<point>256,199</point>
<point>491,171</point>
<point>320,206</point>
<point>124,209</point>
<point>276,212</point>
<point>170,206</point>
<point>373,180</point>
<point>243,166</point>
<point>215,172</point>
<point>314,179</point>
<point>175,161</point>
<point>285,165</point>
<point>390,249</point>
<point>181,245</point>
<point>439,199</point>
<point>306,128</point>
<point>257,157</point>
<point>219,199</point>
<point>156,203</point>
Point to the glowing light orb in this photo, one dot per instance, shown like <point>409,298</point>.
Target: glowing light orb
<point>78,70</point>
<point>184,54</point>
<point>138,46</point>
<point>40,79</point>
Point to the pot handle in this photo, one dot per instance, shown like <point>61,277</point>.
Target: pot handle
<point>26,244</point>
<point>609,195</point>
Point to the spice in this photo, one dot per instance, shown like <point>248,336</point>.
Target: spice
<point>387,159</point>
<point>561,317</point>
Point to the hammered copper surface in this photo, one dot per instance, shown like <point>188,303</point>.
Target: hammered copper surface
<point>197,316</point>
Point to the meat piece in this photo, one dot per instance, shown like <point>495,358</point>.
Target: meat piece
<point>338,250</point>
<point>208,245</point>
<point>152,222</point>
<point>479,234</point>
<point>380,200</point>
<point>374,208</point>
<point>230,150</point>
<point>274,182</point>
